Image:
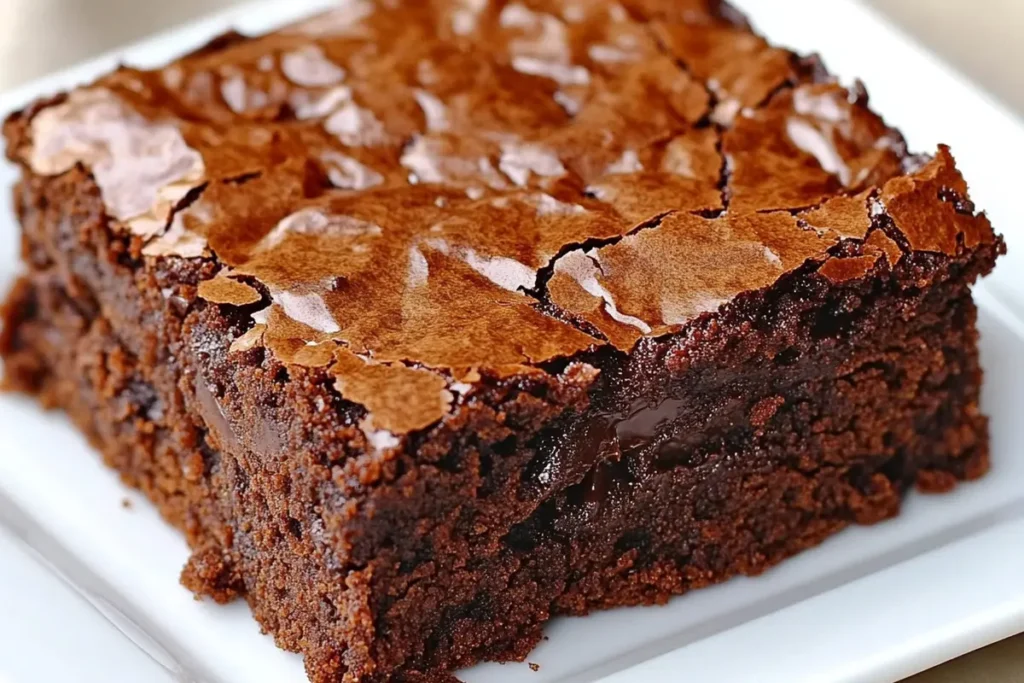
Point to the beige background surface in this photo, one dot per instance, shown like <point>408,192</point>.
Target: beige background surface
<point>983,38</point>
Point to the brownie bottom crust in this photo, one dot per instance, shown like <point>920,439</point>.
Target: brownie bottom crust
<point>754,461</point>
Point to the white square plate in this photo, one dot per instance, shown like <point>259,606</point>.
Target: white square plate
<point>871,604</point>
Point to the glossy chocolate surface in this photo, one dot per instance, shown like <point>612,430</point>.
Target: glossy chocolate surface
<point>412,192</point>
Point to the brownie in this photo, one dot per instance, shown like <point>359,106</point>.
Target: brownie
<point>426,321</point>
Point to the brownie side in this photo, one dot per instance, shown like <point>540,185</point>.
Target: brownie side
<point>119,342</point>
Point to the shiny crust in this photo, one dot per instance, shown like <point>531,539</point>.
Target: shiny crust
<point>397,181</point>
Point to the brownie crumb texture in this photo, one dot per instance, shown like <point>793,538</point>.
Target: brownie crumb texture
<point>429,320</point>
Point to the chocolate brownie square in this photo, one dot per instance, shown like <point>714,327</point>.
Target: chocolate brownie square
<point>427,321</point>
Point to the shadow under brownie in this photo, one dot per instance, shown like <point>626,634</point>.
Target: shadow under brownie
<point>428,323</point>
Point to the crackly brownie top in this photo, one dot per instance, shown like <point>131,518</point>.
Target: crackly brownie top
<point>412,192</point>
